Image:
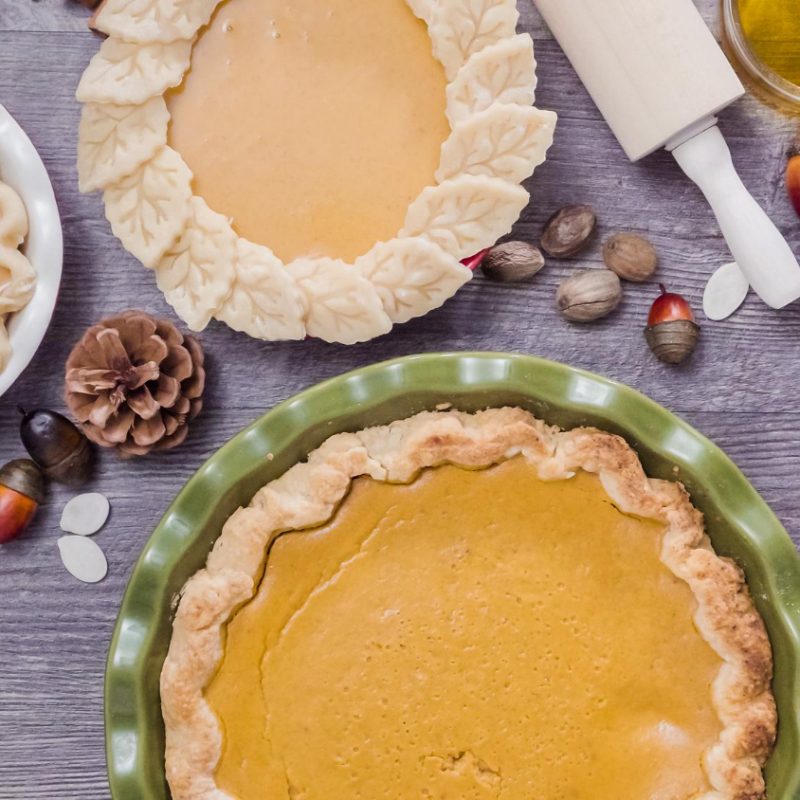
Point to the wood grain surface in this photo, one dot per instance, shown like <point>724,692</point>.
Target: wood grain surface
<point>741,388</point>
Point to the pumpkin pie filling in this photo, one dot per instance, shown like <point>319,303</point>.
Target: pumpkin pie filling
<point>312,125</point>
<point>474,634</point>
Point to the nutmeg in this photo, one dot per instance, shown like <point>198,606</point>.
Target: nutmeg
<point>512,262</point>
<point>589,295</point>
<point>568,231</point>
<point>631,256</point>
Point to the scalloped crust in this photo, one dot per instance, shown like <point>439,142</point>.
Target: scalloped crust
<point>308,494</point>
<point>122,149</point>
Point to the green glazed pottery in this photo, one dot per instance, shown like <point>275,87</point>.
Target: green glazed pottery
<point>739,522</point>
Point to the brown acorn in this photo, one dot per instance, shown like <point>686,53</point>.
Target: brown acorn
<point>62,452</point>
<point>21,492</point>
<point>672,331</point>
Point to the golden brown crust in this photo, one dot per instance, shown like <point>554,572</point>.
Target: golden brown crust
<point>308,494</point>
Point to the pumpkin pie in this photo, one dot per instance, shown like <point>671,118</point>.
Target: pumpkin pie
<point>468,606</point>
<point>294,169</point>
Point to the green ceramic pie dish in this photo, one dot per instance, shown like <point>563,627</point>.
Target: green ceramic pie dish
<point>739,522</point>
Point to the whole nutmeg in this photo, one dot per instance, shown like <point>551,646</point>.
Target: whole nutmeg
<point>631,256</point>
<point>672,332</point>
<point>513,261</point>
<point>589,295</point>
<point>568,231</point>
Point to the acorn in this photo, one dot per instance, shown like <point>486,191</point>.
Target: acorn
<point>21,492</point>
<point>62,452</point>
<point>672,331</point>
<point>793,181</point>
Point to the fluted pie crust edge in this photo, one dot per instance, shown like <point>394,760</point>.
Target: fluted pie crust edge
<point>308,495</point>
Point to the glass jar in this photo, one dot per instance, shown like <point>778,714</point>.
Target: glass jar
<point>763,36</point>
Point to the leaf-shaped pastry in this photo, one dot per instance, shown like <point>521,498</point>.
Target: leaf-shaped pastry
<point>264,301</point>
<point>113,141</point>
<point>17,280</point>
<point>460,28</point>
<point>412,276</point>
<point>465,215</point>
<point>13,217</point>
<point>501,73</point>
<point>124,73</point>
<point>342,306</point>
<point>5,345</point>
<point>153,20</point>
<point>148,209</point>
<point>423,9</point>
<point>196,274</point>
<point>505,141</point>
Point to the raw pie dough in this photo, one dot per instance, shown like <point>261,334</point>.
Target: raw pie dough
<point>17,276</point>
<point>342,284</point>
<point>532,611</point>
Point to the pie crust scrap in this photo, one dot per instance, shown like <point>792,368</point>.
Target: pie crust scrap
<point>311,494</point>
<point>17,276</point>
<point>208,272</point>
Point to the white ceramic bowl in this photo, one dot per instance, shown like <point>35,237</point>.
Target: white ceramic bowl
<point>23,170</point>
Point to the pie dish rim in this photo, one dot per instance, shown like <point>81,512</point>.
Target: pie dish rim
<point>308,495</point>
<point>745,527</point>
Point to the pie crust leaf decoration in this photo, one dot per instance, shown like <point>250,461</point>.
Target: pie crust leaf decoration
<point>460,28</point>
<point>153,20</point>
<point>465,215</point>
<point>423,9</point>
<point>341,305</point>
<point>123,150</point>
<point>148,210</point>
<point>13,218</point>
<point>17,280</point>
<point>412,276</point>
<point>264,301</point>
<point>113,141</point>
<point>126,73</point>
<point>501,73</point>
<point>196,274</point>
<point>17,275</point>
<point>506,141</point>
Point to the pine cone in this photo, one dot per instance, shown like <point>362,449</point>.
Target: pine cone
<point>134,382</point>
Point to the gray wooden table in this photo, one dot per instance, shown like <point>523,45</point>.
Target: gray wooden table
<point>741,388</point>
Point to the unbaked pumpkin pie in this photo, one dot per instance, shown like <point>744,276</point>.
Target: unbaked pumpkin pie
<point>468,606</point>
<point>296,167</point>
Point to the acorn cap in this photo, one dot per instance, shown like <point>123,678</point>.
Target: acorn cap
<point>673,341</point>
<point>23,476</point>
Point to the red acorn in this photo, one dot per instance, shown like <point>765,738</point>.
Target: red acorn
<point>21,492</point>
<point>671,331</point>
<point>793,182</point>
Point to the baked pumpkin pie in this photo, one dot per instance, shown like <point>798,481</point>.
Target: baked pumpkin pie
<point>468,606</point>
<point>294,168</point>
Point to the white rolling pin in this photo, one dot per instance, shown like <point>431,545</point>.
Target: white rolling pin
<point>659,78</point>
